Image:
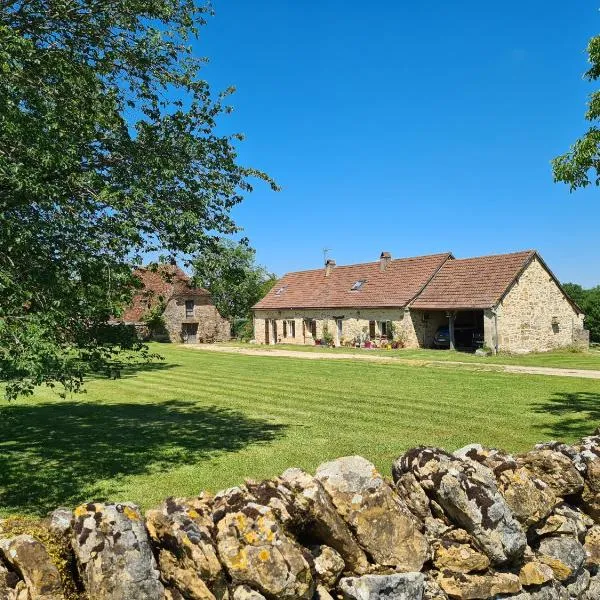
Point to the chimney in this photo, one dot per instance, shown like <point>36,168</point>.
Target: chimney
<point>330,264</point>
<point>384,261</point>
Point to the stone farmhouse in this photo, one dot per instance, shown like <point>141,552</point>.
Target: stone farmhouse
<point>188,314</point>
<point>512,302</point>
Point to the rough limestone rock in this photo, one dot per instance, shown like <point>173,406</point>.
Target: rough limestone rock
<point>114,554</point>
<point>182,530</point>
<point>474,587</point>
<point>566,550</point>
<point>555,469</point>
<point>399,586</point>
<point>383,525</point>
<point>530,499</point>
<point>590,496</point>
<point>316,512</point>
<point>30,559</point>
<point>328,565</point>
<point>550,591</point>
<point>459,557</point>
<point>60,521</point>
<point>593,590</point>
<point>579,584</point>
<point>495,460</point>
<point>433,590</point>
<point>414,495</point>
<point>185,582</point>
<point>8,584</point>
<point>560,525</point>
<point>243,592</point>
<point>322,593</point>
<point>592,546</point>
<point>257,552</point>
<point>469,497</point>
<point>535,573</point>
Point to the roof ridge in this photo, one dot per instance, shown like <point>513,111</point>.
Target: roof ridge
<point>498,254</point>
<point>372,262</point>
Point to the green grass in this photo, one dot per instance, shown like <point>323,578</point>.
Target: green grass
<point>206,420</point>
<point>559,358</point>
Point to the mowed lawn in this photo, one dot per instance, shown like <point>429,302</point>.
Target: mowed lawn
<point>203,420</point>
<point>562,359</point>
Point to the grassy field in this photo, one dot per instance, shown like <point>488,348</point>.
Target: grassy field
<point>560,358</point>
<point>203,420</point>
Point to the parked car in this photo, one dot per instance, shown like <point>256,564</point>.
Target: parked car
<point>465,336</point>
<point>441,339</point>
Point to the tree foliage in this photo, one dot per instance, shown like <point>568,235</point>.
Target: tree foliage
<point>228,270</point>
<point>581,165</point>
<point>108,150</point>
<point>589,301</point>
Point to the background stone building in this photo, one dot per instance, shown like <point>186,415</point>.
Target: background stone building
<point>186,313</point>
<point>512,302</point>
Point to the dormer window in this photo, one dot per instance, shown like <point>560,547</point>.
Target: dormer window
<point>357,285</point>
<point>280,290</point>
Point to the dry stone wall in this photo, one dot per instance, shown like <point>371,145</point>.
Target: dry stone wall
<point>474,524</point>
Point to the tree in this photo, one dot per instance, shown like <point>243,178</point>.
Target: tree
<point>228,270</point>
<point>589,301</point>
<point>581,165</point>
<point>108,150</point>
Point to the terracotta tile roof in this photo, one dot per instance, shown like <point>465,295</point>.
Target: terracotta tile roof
<point>472,283</point>
<point>163,284</point>
<point>401,281</point>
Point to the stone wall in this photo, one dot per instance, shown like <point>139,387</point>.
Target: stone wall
<point>474,524</point>
<point>536,316</point>
<point>415,328</point>
<point>212,327</point>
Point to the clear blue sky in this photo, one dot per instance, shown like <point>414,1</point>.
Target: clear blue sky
<point>409,127</point>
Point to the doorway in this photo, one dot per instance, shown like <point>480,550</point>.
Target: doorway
<point>189,333</point>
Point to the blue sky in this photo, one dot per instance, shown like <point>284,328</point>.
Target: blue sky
<point>409,127</point>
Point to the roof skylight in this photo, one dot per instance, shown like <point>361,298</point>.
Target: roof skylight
<point>280,290</point>
<point>357,285</point>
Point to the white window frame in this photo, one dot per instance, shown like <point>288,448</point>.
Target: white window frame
<point>289,328</point>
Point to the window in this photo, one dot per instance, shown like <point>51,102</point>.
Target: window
<point>289,328</point>
<point>372,329</point>
<point>385,328</point>
<point>357,285</point>
<point>189,309</point>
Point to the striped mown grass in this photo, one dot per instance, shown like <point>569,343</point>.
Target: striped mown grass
<point>203,420</point>
<point>561,359</point>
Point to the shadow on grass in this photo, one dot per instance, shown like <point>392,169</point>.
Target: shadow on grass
<point>579,414</point>
<point>53,454</point>
<point>131,369</point>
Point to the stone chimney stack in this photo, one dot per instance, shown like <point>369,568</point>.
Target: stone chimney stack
<point>384,261</point>
<point>329,264</point>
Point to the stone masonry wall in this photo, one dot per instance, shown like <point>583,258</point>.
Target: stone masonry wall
<point>536,316</point>
<point>212,327</point>
<point>413,328</point>
<point>474,524</point>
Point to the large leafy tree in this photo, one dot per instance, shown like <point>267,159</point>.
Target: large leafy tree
<point>580,166</point>
<point>108,150</point>
<point>228,270</point>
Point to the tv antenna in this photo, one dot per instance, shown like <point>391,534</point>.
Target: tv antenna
<point>326,252</point>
